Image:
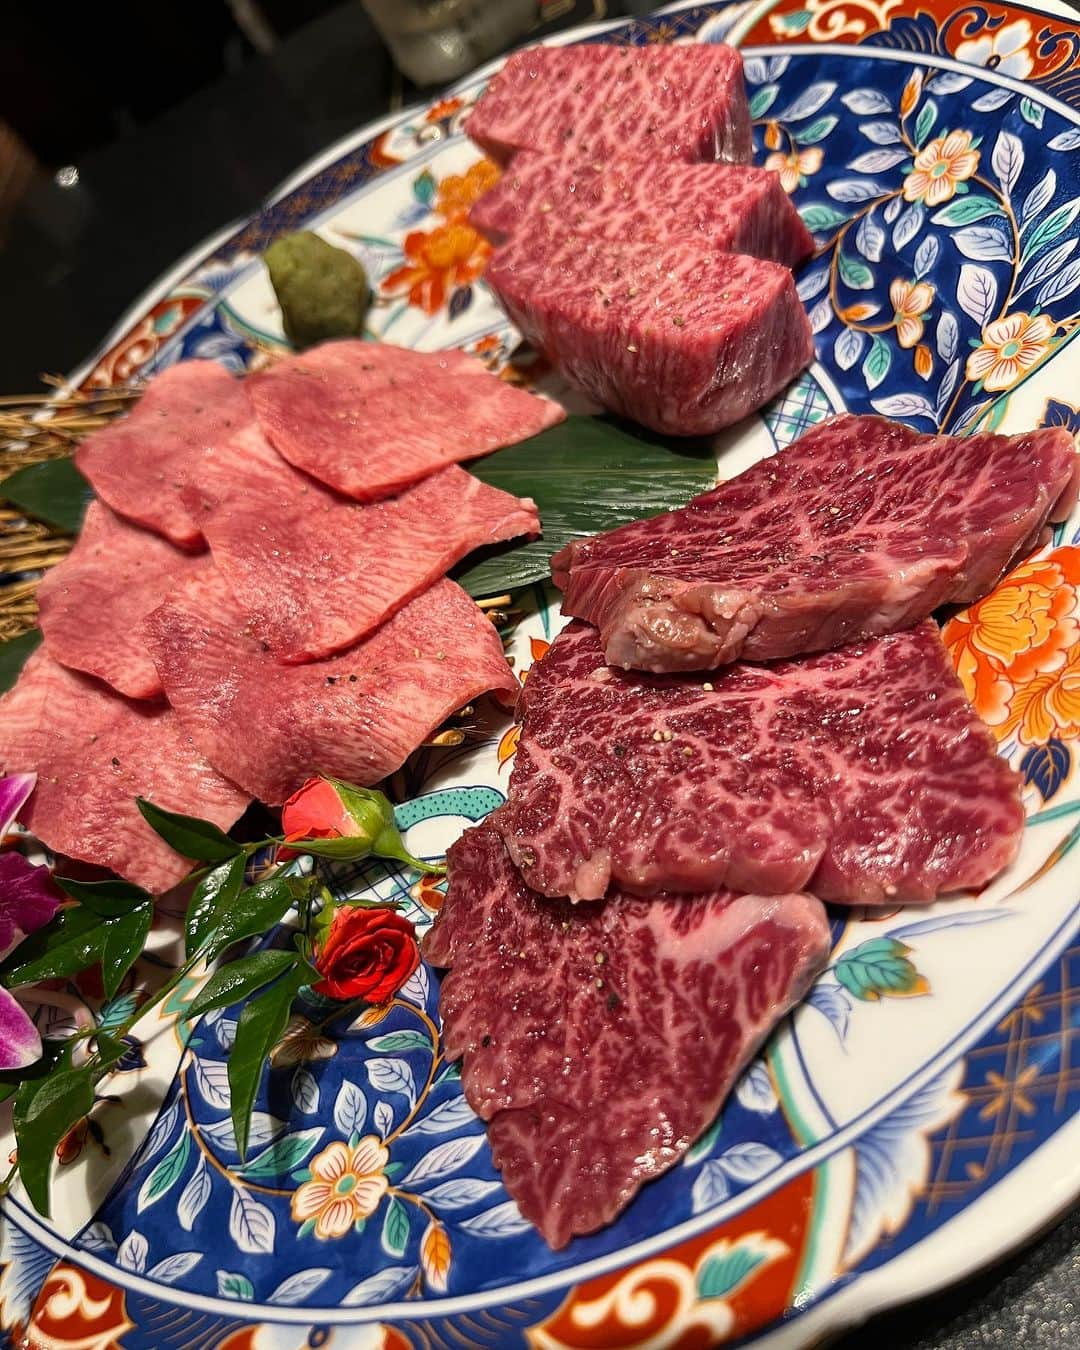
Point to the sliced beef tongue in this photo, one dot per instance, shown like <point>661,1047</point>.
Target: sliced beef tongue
<point>599,1041</point>
<point>730,208</point>
<point>356,715</point>
<point>140,464</point>
<point>861,527</point>
<point>94,753</point>
<point>862,775</point>
<point>682,339</point>
<point>369,418</point>
<point>313,571</point>
<point>598,100</point>
<point>93,603</point>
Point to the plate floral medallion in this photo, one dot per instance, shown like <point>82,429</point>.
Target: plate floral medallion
<point>917,1116</point>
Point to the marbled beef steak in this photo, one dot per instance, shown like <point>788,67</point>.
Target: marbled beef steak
<point>369,419</point>
<point>600,1040</point>
<point>91,606</point>
<point>682,339</point>
<point>862,526</point>
<point>731,208</point>
<point>356,715</point>
<point>862,775</point>
<point>597,100</point>
<point>140,464</point>
<point>94,753</point>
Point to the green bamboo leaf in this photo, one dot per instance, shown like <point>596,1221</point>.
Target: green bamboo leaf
<point>257,1031</point>
<point>212,897</point>
<point>240,979</point>
<point>55,492</point>
<point>107,898</point>
<point>586,475</point>
<point>254,911</point>
<point>14,655</point>
<point>395,1229</point>
<point>66,945</point>
<point>125,939</point>
<point>189,836</point>
<point>43,1111</point>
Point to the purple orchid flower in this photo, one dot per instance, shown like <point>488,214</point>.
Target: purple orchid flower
<point>27,902</point>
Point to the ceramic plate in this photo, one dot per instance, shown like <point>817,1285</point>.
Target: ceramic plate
<point>917,1115</point>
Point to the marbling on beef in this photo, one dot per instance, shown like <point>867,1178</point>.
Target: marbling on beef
<point>369,419</point>
<point>92,604</point>
<point>94,752</point>
<point>679,338</point>
<point>862,775</point>
<point>599,1041</point>
<point>730,208</point>
<point>597,100</point>
<point>356,715</point>
<point>862,526</point>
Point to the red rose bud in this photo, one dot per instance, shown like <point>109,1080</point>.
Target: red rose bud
<point>361,819</point>
<point>368,954</point>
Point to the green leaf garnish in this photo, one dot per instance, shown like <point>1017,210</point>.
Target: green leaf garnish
<point>240,979</point>
<point>14,654</point>
<point>107,898</point>
<point>54,491</point>
<point>257,1030</point>
<point>190,837</point>
<point>125,939</point>
<point>212,898</point>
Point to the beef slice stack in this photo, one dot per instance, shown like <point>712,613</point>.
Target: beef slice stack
<point>258,592</point>
<point>637,246</point>
<point>752,713</point>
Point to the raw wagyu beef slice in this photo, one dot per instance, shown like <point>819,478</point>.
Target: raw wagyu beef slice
<point>732,208</point>
<point>599,1041</point>
<point>94,752</point>
<point>862,775</point>
<point>682,339</point>
<point>314,571</point>
<point>598,100</point>
<point>92,604</point>
<point>139,464</point>
<point>369,419</point>
<point>861,527</point>
<point>356,715</point>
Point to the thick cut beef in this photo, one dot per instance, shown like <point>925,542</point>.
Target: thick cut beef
<point>860,527</point>
<point>597,100</point>
<point>862,775</point>
<point>683,340</point>
<point>733,208</point>
<point>314,571</point>
<point>368,418</point>
<point>140,464</point>
<point>599,1041</point>
<point>356,715</point>
<point>94,753</point>
<point>92,604</point>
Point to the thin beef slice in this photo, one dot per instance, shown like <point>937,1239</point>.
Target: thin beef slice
<point>369,419</point>
<point>314,571</point>
<point>862,775</point>
<point>92,604</point>
<point>861,527</point>
<point>357,715</point>
<point>681,339</point>
<point>599,1041</point>
<point>593,101</point>
<point>139,465</point>
<point>731,208</point>
<point>94,752</point>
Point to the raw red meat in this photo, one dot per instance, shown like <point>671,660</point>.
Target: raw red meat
<point>356,715</point>
<point>368,418</point>
<point>683,340</point>
<point>597,100</point>
<point>314,571</point>
<point>733,208</point>
<point>860,527</point>
<point>94,753</point>
<point>139,464</point>
<point>862,775</point>
<point>600,1041</point>
<point>91,605</point>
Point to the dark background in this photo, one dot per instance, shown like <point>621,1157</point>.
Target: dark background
<point>180,119</point>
